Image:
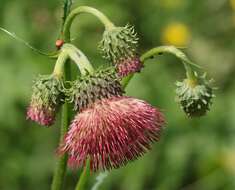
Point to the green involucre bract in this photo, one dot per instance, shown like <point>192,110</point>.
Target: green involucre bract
<point>103,83</point>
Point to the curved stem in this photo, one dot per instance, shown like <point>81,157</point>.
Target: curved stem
<point>59,66</point>
<point>59,175</point>
<point>79,58</point>
<point>171,50</point>
<point>83,177</point>
<point>161,50</point>
<point>84,9</point>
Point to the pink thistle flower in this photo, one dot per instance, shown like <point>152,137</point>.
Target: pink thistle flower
<point>111,132</point>
<point>129,66</point>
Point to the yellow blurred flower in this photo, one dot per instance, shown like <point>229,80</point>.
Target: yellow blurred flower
<point>232,3</point>
<point>177,34</point>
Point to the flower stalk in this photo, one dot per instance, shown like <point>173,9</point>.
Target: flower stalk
<point>79,58</point>
<point>84,9</point>
<point>162,50</point>
<point>60,171</point>
<point>59,66</point>
<point>83,177</point>
<point>59,175</point>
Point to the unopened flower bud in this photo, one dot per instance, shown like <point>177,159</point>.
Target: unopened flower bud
<point>195,96</point>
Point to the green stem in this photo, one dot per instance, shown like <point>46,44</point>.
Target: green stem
<point>59,175</point>
<point>84,9</point>
<point>67,8</point>
<point>79,58</point>
<point>83,177</point>
<point>59,66</point>
<point>161,50</point>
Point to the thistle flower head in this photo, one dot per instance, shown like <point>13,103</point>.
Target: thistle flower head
<point>103,83</point>
<point>195,96</point>
<point>119,43</point>
<point>112,132</point>
<point>46,98</point>
<point>119,47</point>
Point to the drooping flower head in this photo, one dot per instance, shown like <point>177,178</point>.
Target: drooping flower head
<point>109,129</point>
<point>112,132</point>
<point>195,96</point>
<point>46,98</point>
<point>119,47</point>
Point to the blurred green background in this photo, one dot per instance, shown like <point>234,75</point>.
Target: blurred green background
<point>193,154</point>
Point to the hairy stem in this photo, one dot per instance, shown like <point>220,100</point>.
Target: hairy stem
<point>161,50</point>
<point>84,9</point>
<point>59,175</point>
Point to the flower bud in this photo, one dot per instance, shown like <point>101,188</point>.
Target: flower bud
<point>119,42</point>
<point>119,47</point>
<point>195,96</point>
<point>103,83</point>
<point>46,98</point>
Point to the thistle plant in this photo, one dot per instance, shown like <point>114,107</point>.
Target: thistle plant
<point>109,129</point>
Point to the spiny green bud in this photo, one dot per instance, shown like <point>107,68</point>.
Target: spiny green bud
<point>46,98</point>
<point>103,83</point>
<point>195,96</point>
<point>119,43</point>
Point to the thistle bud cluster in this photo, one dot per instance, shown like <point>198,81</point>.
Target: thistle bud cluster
<point>109,128</point>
